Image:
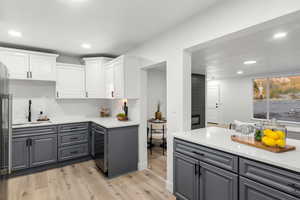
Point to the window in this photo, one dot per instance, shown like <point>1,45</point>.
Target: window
<point>277,97</point>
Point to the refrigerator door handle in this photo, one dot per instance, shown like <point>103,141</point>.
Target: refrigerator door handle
<point>9,133</point>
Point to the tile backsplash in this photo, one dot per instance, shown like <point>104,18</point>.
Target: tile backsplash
<point>43,99</point>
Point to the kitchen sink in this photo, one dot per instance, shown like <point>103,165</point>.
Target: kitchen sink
<point>35,122</point>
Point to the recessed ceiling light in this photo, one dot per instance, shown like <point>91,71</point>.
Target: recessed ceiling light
<point>15,33</point>
<point>280,35</point>
<point>249,62</point>
<point>86,46</point>
<point>240,72</point>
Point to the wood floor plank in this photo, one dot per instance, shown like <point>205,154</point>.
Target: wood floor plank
<point>84,181</point>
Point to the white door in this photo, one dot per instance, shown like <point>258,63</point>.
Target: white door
<point>42,67</point>
<point>70,81</point>
<point>17,64</point>
<point>213,104</point>
<point>119,79</point>
<point>94,84</point>
<point>109,81</point>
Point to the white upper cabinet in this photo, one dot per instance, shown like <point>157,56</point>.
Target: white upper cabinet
<point>29,65</point>
<point>42,67</point>
<point>94,77</point>
<point>70,81</point>
<point>109,81</point>
<point>17,64</point>
<point>122,77</point>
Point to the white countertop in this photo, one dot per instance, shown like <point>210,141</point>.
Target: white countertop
<point>105,122</point>
<point>219,138</point>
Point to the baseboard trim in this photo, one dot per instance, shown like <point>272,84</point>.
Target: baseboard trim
<point>142,165</point>
<point>169,186</point>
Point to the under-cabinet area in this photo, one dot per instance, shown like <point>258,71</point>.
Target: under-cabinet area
<point>211,169</point>
<point>40,147</point>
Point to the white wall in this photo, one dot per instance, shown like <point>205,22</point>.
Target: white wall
<point>157,85</point>
<point>43,99</point>
<point>235,99</point>
<point>226,18</point>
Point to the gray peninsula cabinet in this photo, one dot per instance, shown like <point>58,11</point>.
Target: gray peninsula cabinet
<point>202,173</point>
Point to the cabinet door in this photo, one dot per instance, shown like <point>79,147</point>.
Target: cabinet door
<point>185,177</point>
<point>250,190</point>
<point>43,150</point>
<point>17,64</point>
<point>94,82</point>
<point>42,67</point>
<point>20,153</point>
<point>109,81</point>
<point>216,183</point>
<point>118,79</point>
<point>70,82</point>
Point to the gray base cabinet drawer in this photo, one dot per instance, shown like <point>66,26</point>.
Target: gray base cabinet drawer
<point>73,127</point>
<point>277,178</point>
<point>70,152</point>
<point>214,157</point>
<point>31,131</point>
<point>72,138</point>
<point>250,190</point>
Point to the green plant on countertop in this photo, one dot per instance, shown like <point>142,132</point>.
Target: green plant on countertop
<point>121,115</point>
<point>258,135</point>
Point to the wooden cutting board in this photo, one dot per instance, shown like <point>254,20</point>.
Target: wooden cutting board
<point>260,145</point>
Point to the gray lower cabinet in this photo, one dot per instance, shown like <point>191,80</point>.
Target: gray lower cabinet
<point>200,178</point>
<point>20,153</point>
<point>251,190</point>
<point>185,177</point>
<point>43,150</point>
<point>214,179</point>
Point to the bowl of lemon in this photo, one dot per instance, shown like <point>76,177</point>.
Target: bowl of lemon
<point>274,136</point>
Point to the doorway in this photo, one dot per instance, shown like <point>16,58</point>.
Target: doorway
<point>154,115</point>
<point>213,104</point>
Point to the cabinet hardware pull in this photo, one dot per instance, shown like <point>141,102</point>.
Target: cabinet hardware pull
<point>27,142</point>
<point>196,168</point>
<point>74,138</point>
<point>27,74</point>
<point>112,93</point>
<point>199,171</point>
<point>200,154</point>
<point>57,95</point>
<point>30,74</point>
<point>73,152</point>
<point>86,94</point>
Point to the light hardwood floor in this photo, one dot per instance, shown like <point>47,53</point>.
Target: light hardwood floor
<point>158,162</point>
<point>83,181</point>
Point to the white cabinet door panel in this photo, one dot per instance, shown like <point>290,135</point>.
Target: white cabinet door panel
<point>94,80</point>
<point>109,81</point>
<point>70,81</point>
<point>17,64</point>
<point>118,79</point>
<point>42,67</point>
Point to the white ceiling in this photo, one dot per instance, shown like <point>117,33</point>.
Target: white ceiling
<point>110,26</point>
<point>224,58</point>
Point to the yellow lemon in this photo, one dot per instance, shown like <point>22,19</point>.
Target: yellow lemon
<point>271,134</point>
<point>281,134</point>
<point>280,143</point>
<point>269,141</point>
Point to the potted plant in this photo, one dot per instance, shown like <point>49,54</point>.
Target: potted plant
<point>122,117</point>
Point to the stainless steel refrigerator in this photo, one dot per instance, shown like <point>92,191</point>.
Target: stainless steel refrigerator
<point>5,131</point>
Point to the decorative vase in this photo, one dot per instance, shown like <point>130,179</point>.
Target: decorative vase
<point>158,114</point>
